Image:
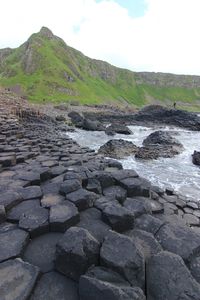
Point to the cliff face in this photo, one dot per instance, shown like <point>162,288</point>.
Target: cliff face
<point>47,69</point>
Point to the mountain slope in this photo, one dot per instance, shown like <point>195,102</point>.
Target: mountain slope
<point>44,67</point>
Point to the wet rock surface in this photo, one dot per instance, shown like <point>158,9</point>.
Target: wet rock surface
<point>118,148</point>
<point>64,209</point>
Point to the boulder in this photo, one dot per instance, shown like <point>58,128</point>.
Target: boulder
<point>159,144</point>
<point>17,279</point>
<point>101,283</point>
<point>76,118</point>
<point>167,277</point>
<point>117,128</point>
<point>92,125</point>
<point>118,149</point>
<point>123,255</point>
<point>76,251</point>
<point>62,216</point>
<point>196,158</point>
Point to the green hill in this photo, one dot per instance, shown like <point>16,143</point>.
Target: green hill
<point>44,67</point>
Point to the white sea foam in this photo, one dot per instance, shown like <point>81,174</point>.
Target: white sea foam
<point>178,172</point>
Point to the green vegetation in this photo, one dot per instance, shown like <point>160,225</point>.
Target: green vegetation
<point>46,69</point>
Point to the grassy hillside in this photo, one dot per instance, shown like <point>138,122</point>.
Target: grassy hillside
<point>45,69</point>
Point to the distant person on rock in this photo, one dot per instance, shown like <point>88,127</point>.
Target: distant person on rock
<point>174,105</point>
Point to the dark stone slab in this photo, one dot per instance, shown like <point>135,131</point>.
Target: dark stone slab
<point>31,192</point>
<point>22,208</point>
<point>168,270</point>
<point>146,241</point>
<point>36,222</point>
<point>12,243</point>
<point>148,223</point>
<point>117,192</point>
<point>76,252</point>
<point>82,199</point>
<point>54,286</point>
<point>138,206</point>
<point>118,217</point>
<point>10,199</point>
<point>63,216</point>
<point>41,251</point>
<point>69,186</point>
<point>179,239</point>
<point>90,219</point>
<point>136,186</point>
<point>122,254</point>
<point>17,279</point>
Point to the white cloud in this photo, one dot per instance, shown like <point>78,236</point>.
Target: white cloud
<point>165,39</point>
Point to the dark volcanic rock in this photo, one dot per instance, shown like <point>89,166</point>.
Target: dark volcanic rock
<point>54,286</point>
<point>122,254</point>
<point>146,241</point>
<point>31,192</point>
<point>35,222</point>
<point>17,279</point>
<point>118,148</point>
<point>168,278</point>
<point>159,144</point>
<point>10,199</point>
<point>101,283</point>
<point>85,123</point>
<point>196,158</point>
<point>162,115</point>
<point>82,199</point>
<point>90,219</point>
<point>136,186</point>
<point>118,217</point>
<point>12,243</point>
<point>161,138</point>
<point>115,191</point>
<point>76,252</point>
<point>62,216</point>
<point>22,208</point>
<point>180,240</point>
<point>70,186</point>
<point>117,128</point>
<point>41,251</point>
<point>138,206</point>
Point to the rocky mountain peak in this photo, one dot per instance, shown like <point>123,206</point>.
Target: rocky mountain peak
<point>46,32</point>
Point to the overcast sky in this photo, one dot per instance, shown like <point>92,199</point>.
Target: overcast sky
<point>141,35</point>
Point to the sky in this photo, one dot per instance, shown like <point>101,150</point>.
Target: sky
<point>140,35</point>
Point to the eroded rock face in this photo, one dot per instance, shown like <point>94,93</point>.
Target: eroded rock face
<point>118,148</point>
<point>159,144</point>
<point>168,270</point>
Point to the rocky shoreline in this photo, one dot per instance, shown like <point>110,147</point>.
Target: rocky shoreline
<point>74,225</point>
